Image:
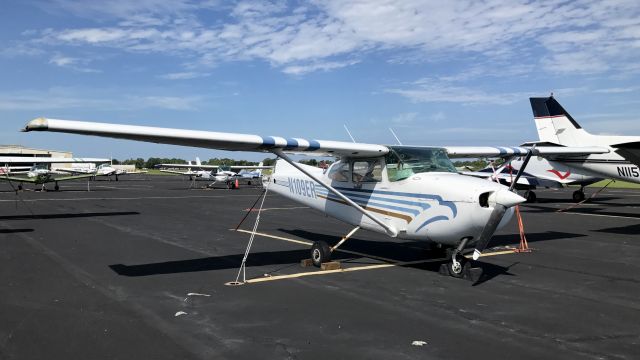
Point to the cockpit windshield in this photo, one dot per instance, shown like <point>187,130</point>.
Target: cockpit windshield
<point>404,161</point>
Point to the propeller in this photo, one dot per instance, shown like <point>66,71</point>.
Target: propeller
<point>501,200</point>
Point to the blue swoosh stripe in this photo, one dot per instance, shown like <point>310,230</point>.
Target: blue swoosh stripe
<point>432,220</point>
<point>438,198</point>
<point>423,206</point>
<point>375,204</point>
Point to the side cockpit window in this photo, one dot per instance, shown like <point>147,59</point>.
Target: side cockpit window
<point>367,171</point>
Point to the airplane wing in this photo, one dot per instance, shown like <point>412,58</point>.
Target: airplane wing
<point>209,139</point>
<point>18,179</point>
<point>48,160</point>
<point>506,151</point>
<point>74,177</point>
<point>185,173</point>
<point>187,166</point>
<point>249,167</point>
<point>630,151</point>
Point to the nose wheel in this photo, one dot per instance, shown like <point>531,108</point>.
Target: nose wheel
<point>458,266</point>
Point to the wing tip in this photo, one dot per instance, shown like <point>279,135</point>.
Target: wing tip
<point>37,124</point>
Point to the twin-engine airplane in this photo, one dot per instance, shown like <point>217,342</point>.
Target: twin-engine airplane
<point>40,173</point>
<point>557,128</point>
<point>539,174</point>
<point>408,192</point>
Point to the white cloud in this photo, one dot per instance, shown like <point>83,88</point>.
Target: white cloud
<point>325,66</point>
<point>183,75</point>
<point>78,64</point>
<point>404,118</point>
<point>618,90</point>
<point>81,98</point>
<point>432,90</point>
<point>586,36</point>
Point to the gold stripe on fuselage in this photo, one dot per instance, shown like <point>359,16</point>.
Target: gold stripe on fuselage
<point>404,217</point>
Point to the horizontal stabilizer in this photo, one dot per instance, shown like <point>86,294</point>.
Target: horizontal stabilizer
<point>630,151</point>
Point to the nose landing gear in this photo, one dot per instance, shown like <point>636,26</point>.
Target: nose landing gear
<point>458,266</point>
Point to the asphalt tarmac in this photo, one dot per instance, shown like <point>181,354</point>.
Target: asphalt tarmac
<point>136,269</point>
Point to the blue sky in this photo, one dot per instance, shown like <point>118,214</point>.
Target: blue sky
<point>439,73</point>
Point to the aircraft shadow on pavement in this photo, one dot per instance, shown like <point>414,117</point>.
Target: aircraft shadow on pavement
<point>514,239</point>
<point>595,200</point>
<point>624,230</point>
<point>12,231</point>
<point>404,251</point>
<point>581,210</point>
<point>67,216</point>
<point>223,262</point>
<point>409,251</point>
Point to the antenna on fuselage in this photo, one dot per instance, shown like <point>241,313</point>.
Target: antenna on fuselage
<point>349,132</point>
<point>395,136</point>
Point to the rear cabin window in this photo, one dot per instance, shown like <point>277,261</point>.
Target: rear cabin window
<point>339,172</point>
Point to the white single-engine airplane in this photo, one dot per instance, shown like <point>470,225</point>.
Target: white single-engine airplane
<point>557,128</point>
<point>409,192</point>
<point>217,173</point>
<point>39,173</point>
<point>105,169</point>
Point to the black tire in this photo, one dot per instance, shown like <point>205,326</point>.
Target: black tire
<point>56,188</point>
<point>531,196</point>
<point>578,196</point>
<point>464,268</point>
<point>20,187</point>
<point>249,182</point>
<point>320,253</point>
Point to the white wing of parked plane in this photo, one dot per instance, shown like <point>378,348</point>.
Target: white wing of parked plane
<point>188,166</point>
<point>209,139</point>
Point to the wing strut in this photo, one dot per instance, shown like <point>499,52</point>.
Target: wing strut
<point>391,231</point>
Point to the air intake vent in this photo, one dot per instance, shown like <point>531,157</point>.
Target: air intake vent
<point>484,199</point>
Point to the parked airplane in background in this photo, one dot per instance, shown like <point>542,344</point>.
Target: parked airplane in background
<point>105,169</point>
<point>539,174</point>
<point>217,173</point>
<point>409,192</point>
<point>40,173</point>
<point>557,128</point>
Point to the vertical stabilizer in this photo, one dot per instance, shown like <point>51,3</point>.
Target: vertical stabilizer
<point>198,163</point>
<point>555,124</point>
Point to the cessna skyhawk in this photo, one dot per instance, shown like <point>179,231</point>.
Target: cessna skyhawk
<point>218,173</point>
<point>39,173</point>
<point>408,192</point>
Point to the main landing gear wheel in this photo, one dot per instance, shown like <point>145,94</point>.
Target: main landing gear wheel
<point>20,187</point>
<point>56,188</point>
<point>530,196</point>
<point>320,253</point>
<point>578,195</point>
